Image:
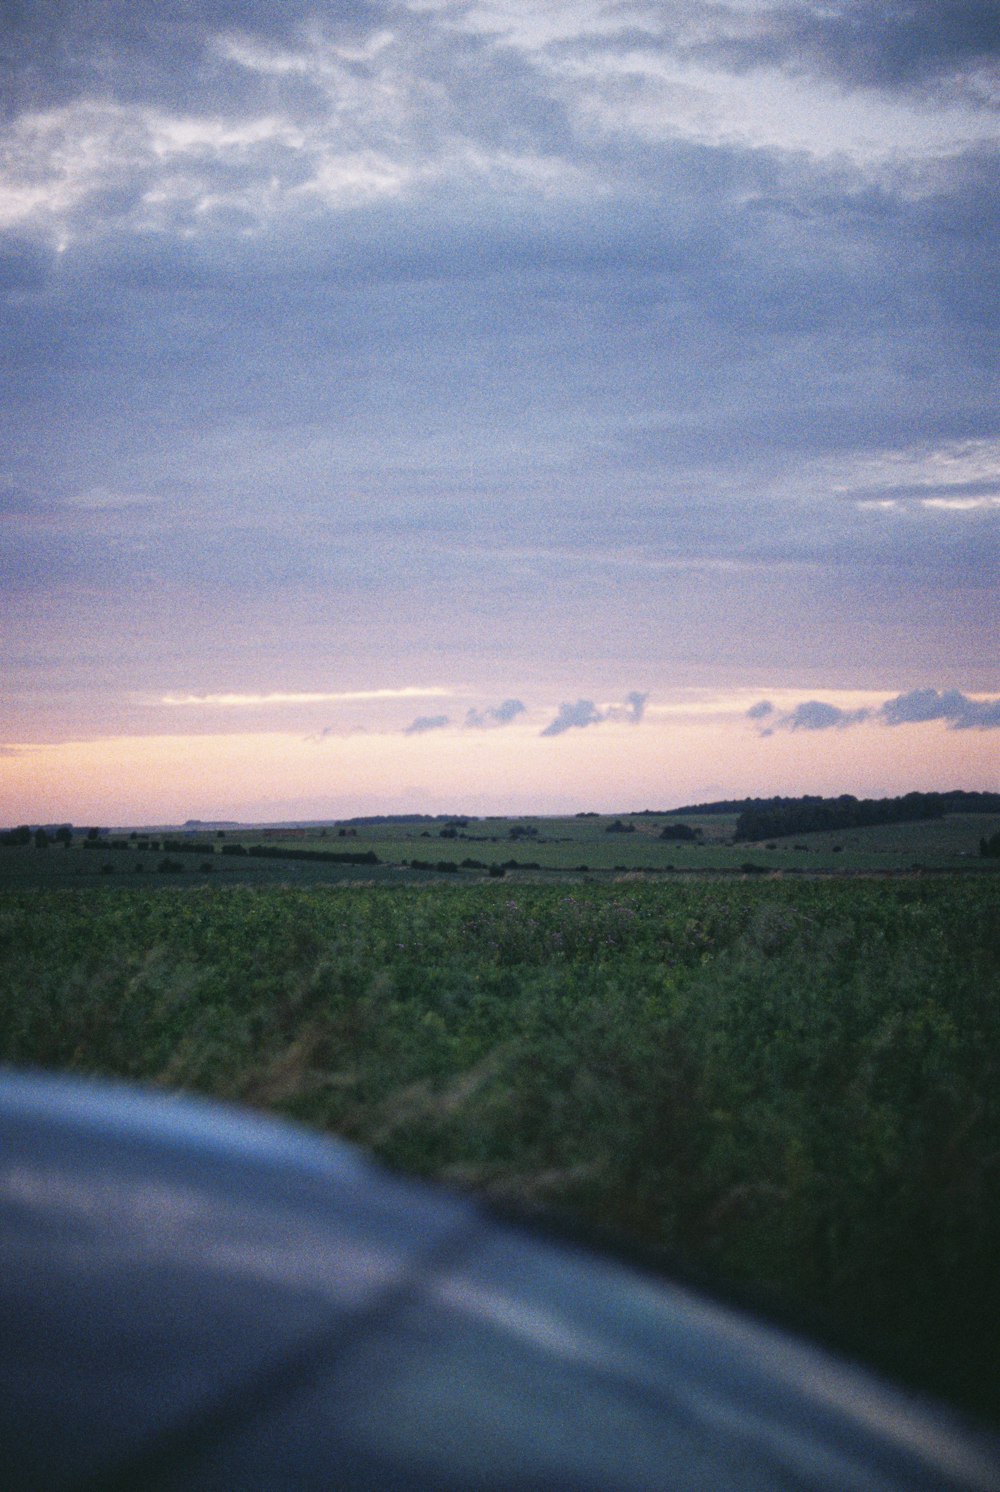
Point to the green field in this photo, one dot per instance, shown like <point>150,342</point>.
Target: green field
<point>553,847</point>
<point>791,1083</point>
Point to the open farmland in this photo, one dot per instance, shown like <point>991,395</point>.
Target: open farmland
<point>600,846</point>
<point>792,1084</point>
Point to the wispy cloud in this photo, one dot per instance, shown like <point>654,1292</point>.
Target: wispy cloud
<point>424,723</point>
<point>585,712</point>
<point>336,732</point>
<point>100,500</point>
<point>346,696</point>
<point>632,710</point>
<point>960,504</point>
<point>491,719</point>
<point>913,708</point>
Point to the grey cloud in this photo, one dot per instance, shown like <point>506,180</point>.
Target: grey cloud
<point>913,708</point>
<point>571,717</point>
<point>810,714</point>
<point>319,395</point>
<point>490,719</point>
<point>865,43</point>
<point>950,704</point>
<point>776,276</point>
<point>632,710</point>
<point>585,712</point>
<point>55,50</point>
<point>362,102</point>
<point>424,723</point>
<point>815,714</point>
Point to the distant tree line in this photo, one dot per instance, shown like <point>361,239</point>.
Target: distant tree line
<point>279,852</point>
<point>957,801</point>
<point>770,819</point>
<point>41,838</point>
<point>742,805</point>
<point>206,848</point>
<point>494,869</point>
<point>456,820</point>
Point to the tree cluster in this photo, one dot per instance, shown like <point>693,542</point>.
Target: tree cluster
<point>680,832</point>
<point>812,815</point>
<point>335,857</point>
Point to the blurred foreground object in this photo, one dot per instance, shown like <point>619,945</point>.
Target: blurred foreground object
<point>194,1297</point>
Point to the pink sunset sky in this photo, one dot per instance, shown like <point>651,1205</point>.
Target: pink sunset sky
<point>441,406</point>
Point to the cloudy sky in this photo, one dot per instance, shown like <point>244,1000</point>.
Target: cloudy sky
<point>484,405</point>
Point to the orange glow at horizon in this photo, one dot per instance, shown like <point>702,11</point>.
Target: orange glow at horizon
<point>610,767</point>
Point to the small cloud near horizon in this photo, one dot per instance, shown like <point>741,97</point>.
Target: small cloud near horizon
<point>585,712</point>
<point>761,710</point>
<point>424,723</point>
<point>573,717</point>
<point>913,708</point>
<point>336,730</point>
<point>492,719</point>
<point>632,710</point>
<point>816,714</point>
<point>958,709</point>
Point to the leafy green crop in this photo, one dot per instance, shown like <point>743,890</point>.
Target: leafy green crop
<point>792,1084</point>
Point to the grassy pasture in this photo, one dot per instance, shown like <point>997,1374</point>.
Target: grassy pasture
<point>77,869</point>
<point>951,843</point>
<point>557,845</point>
<point>793,1084</point>
<point>567,843</point>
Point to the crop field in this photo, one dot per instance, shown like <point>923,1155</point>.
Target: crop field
<point>790,1084</point>
<point>588,845</point>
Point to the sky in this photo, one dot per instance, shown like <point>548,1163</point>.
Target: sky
<point>485,406</point>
